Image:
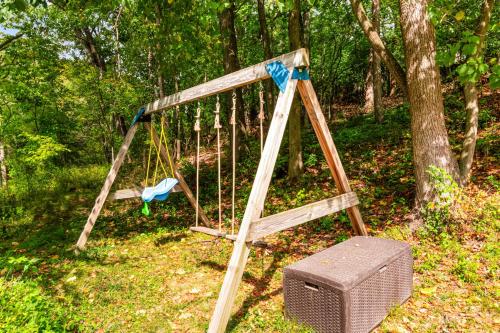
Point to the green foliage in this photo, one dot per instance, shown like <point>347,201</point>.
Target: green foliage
<point>438,211</point>
<point>25,308</point>
<point>466,269</point>
<point>38,150</point>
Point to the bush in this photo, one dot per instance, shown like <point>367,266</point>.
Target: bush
<point>24,308</point>
<point>446,194</point>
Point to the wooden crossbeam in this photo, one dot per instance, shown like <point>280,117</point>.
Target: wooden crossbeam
<point>271,224</point>
<point>208,231</point>
<point>135,192</point>
<point>243,77</point>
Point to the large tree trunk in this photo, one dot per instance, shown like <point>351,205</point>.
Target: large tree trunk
<point>296,37</point>
<point>3,166</point>
<point>376,70</point>
<point>379,47</point>
<point>232,64</point>
<point>429,136</point>
<point>266,45</point>
<point>368,107</point>
<point>471,98</point>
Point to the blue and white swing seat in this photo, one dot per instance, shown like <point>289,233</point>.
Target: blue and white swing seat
<point>159,192</point>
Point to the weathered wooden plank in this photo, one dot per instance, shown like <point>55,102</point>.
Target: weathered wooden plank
<point>209,231</point>
<point>320,126</point>
<point>270,224</point>
<point>253,210</point>
<point>136,192</point>
<point>182,182</point>
<point>99,202</point>
<point>243,77</point>
<point>127,193</point>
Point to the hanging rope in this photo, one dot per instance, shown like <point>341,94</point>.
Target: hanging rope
<point>165,143</point>
<point>233,124</point>
<point>197,129</point>
<point>218,126</point>
<point>261,116</point>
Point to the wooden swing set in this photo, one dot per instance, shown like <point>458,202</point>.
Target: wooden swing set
<point>292,74</point>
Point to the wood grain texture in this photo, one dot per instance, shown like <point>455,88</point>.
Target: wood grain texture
<point>320,126</point>
<point>253,210</point>
<point>182,182</point>
<point>270,224</point>
<point>243,77</point>
<point>208,231</point>
<point>135,192</point>
<point>99,202</point>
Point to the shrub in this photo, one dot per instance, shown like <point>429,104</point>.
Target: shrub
<point>24,308</point>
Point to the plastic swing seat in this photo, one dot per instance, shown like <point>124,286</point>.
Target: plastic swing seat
<point>160,191</point>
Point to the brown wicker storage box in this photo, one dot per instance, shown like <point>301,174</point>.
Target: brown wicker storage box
<point>349,287</point>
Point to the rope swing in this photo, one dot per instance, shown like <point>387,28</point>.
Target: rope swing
<point>218,126</point>
<point>161,190</point>
<point>232,122</point>
<point>197,129</point>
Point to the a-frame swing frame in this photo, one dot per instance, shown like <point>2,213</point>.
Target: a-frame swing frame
<point>253,226</point>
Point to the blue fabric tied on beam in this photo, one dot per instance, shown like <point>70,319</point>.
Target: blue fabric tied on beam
<point>160,191</point>
<point>279,73</point>
<point>138,116</point>
<point>300,74</point>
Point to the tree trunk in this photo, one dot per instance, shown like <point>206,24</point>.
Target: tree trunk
<point>87,39</point>
<point>472,100</point>
<point>161,78</point>
<point>368,108</point>
<point>266,45</point>
<point>429,136</point>
<point>232,64</point>
<point>3,166</point>
<point>378,45</point>
<point>376,71</point>
<point>296,37</point>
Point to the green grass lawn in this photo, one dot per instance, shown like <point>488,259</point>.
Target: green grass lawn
<point>154,275</point>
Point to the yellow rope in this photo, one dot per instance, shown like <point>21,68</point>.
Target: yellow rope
<point>165,142</point>
<point>149,155</point>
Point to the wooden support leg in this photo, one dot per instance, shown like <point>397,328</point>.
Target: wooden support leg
<point>182,182</point>
<point>320,126</point>
<point>253,210</point>
<point>99,202</point>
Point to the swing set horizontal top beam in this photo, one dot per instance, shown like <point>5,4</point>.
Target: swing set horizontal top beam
<point>243,77</point>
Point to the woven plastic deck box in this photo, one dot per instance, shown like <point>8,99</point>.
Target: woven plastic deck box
<point>349,287</point>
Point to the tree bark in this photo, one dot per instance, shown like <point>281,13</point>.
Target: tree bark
<point>266,45</point>
<point>429,136</point>
<point>376,70</point>
<point>472,100</point>
<point>369,102</point>
<point>378,45</point>
<point>232,64</point>
<point>296,38</point>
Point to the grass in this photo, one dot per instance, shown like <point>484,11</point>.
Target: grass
<point>154,275</point>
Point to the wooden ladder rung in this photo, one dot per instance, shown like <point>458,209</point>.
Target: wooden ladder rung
<point>209,231</point>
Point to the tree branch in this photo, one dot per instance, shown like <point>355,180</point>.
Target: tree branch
<point>379,47</point>
<point>10,39</point>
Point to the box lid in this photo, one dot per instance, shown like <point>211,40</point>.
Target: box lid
<point>347,264</point>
